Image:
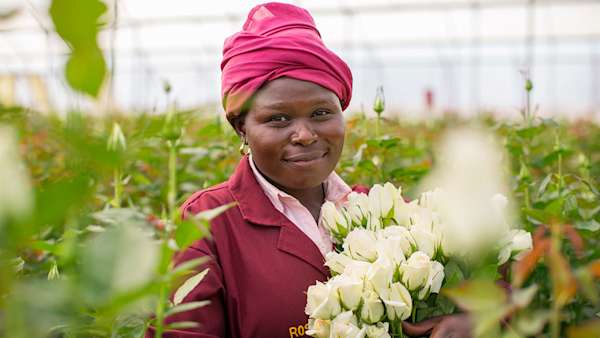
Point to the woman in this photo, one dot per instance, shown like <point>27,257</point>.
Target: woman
<point>283,92</point>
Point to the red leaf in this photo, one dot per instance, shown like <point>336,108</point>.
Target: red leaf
<point>525,266</point>
<point>575,239</point>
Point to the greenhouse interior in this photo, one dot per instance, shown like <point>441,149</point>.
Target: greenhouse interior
<point>327,169</point>
<point>430,56</point>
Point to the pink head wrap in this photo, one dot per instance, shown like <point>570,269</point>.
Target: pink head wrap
<point>278,40</point>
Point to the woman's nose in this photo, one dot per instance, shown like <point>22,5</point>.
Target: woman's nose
<point>304,134</point>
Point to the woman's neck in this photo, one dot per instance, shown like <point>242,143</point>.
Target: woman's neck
<point>307,197</point>
<point>311,198</point>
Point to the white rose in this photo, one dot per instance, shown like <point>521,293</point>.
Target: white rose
<point>345,326</point>
<point>425,240</point>
<point>471,170</point>
<point>375,200</point>
<point>337,262</point>
<point>372,309</point>
<point>349,290</point>
<point>415,270</point>
<point>318,328</point>
<point>516,240</point>
<point>391,194</point>
<point>501,211</point>
<point>380,273</point>
<point>398,302</point>
<point>391,249</point>
<point>400,237</point>
<point>357,269</point>
<point>434,280</point>
<point>378,331</point>
<point>403,210</point>
<point>425,230</point>
<point>357,208</point>
<point>374,223</point>
<point>431,199</point>
<point>322,301</point>
<point>499,202</point>
<point>360,243</point>
<point>381,199</point>
<point>333,220</point>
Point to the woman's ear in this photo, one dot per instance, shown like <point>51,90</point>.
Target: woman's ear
<point>239,125</point>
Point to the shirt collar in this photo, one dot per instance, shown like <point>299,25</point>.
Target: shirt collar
<point>336,189</point>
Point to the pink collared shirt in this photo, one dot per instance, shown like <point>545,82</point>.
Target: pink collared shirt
<point>336,191</point>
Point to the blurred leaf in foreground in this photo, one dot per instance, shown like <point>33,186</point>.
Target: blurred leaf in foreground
<point>16,198</point>
<point>587,330</point>
<point>115,261</point>
<point>77,22</point>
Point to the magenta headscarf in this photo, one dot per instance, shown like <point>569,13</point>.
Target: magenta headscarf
<point>278,40</point>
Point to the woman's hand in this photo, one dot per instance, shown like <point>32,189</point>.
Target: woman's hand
<point>448,326</point>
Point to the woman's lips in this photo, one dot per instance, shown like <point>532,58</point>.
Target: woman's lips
<point>305,159</point>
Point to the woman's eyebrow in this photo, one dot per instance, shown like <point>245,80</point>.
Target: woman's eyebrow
<point>277,105</point>
<point>287,103</point>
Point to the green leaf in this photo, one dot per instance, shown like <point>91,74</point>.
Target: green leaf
<point>453,274</point>
<point>140,179</point>
<point>212,213</point>
<point>544,184</point>
<point>86,70</point>
<point>38,306</point>
<point>524,172</point>
<point>530,132</point>
<point>367,166</point>
<point>60,198</point>
<point>187,266</point>
<point>188,286</point>
<point>115,261</point>
<point>531,323</point>
<point>522,297</point>
<point>128,326</point>
<point>554,209</point>
<point>486,271</point>
<point>389,143</point>
<point>587,285</point>
<point>536,216</point>
<point>186,307</point>
<point>591,225</point>
<point>181,325</point>
<point>373,143</point>
<point>512,334</point>
<point>76,21</point>
<point>443,305</point>
<point>477,295</point>
<point>120,216</point>
<point>588,213</point>
<point>412,171</point>
<point>187,233</point>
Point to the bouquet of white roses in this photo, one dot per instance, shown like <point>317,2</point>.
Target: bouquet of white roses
<point>390,256</point>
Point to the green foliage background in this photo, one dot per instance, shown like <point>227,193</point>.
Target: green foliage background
<point>61,264</point>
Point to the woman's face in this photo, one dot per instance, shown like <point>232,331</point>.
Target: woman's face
<point>295,130</point>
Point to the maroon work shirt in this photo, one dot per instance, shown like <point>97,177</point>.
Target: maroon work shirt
<point>261,266</point>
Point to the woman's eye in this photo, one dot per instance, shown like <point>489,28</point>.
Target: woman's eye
<point>321,113</point>
<point>278,118</point>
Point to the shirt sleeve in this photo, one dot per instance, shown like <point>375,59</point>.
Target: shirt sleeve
<point>211,319</point>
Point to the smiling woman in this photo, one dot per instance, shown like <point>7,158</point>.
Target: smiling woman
<point>283,92</point>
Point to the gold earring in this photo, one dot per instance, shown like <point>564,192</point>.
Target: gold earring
<point>243,145</point>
